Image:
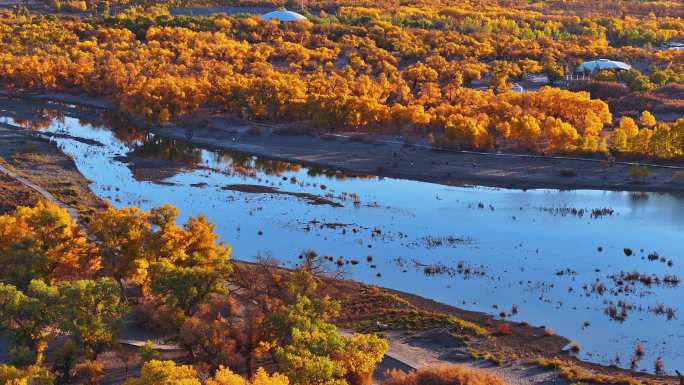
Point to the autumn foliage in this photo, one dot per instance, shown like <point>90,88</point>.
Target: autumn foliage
<point>44,242</point>
<point>443,375</point>
<point>408,69</point>
<point>59,284</point>
<point>440,69</point>
<point>169,373</point>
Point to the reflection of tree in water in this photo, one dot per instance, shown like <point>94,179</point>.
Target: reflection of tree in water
<point>675,194</point>
<point>240,162</point>
<point>122,127</point>
<point>43,115</point>
<point>249,164</point>
<point>235,159</point>
<point>167,149</point>
<point>275,167</point>
<point>146,145</point>
<point>125,130</point>
<point>336,174</point>
<point>41,118</point>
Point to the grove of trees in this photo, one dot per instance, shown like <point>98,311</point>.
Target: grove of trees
<point>406,69</point>
<point>65,295</point>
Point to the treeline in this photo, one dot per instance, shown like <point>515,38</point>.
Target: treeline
<point>581,8</point>
<point>69,291</point>
<point>374,76</point>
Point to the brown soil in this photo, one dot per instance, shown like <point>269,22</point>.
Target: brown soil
<point>375,309</point>
<point>13,194</point>
<point>40,161</point>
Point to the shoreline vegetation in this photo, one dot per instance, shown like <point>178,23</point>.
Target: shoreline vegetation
<point>447,73</point>
<point>396,157</point>
<point>527,346</point>
<point>506,94</point>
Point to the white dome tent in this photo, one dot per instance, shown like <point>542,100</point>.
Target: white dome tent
<point>603,64</point>
<point>517,88</point>
<point>283,15</point>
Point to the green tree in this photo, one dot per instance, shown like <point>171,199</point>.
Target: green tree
<point>34,375</point>
<point>147,352</point>
<point>165,373</point>
<point>312,350</point>
<point>636,81</point>
<point>29,320</point>
<point>187,287</point>
<point>91,313</point>
<point>310,345</point>
<point>197,268</point>
<point>307,347</point>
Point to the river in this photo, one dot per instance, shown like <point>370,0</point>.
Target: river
<point>559,257</point>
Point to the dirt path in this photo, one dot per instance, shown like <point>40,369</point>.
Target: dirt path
<point>38,164</point>
<point>410,353</point>
<point>416,353</point>
<point>14,193</point>
<point>46,194</point>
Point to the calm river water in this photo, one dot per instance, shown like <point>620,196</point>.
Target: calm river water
<point>488,249</point>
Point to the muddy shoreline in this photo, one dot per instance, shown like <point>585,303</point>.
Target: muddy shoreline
<point>392,158</point>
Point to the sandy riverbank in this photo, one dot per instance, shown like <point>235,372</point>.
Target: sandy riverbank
<point>390,157</point>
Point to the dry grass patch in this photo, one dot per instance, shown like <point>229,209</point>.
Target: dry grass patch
<point>367,306</point>
<point>574,373</point>
<point>13,194</point>
<point>31,157</point>
<point>443,375</point>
